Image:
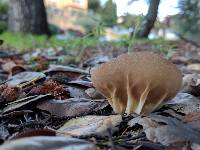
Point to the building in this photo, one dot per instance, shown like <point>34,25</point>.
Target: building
<point>64,13</point>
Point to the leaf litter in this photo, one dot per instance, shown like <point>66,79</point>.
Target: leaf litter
<point>58,107</point>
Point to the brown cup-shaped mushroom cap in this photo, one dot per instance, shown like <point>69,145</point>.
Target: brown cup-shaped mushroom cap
<point>139,82</point>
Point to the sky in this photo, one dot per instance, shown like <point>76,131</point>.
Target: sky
<point>167,7</point>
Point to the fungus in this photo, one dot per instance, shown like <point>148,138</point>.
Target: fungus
<point>138,83</point>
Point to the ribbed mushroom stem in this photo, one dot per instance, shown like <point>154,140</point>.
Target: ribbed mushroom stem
<point>139,83</point>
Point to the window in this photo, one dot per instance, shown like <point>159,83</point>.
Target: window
<point>79,1</point>
<point>74,13</point>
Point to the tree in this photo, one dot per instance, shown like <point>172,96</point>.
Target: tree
<point>94,5</point>
<point>27,16</point>
<point>3,16</point>
<point>149,20</point>
<point>109,13</point>
<point>188,20</point>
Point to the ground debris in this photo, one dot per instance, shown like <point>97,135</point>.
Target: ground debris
<point>42,98</point>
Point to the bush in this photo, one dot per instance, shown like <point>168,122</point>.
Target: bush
<point>54,29</point>
<point>3,11</point>
<point>3,16</point>
<point>3,26</point>
<point>187,22</point>
<point>24,42</point>
<point>90,21</point>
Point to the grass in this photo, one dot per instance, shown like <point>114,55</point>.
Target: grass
<point>164,46</point>
<point>23,42</point>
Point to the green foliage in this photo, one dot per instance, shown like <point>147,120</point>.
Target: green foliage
<point>3,26</point>
<point>188,20</point>
<point>94,5</point>
<point>163,46</point>
<point>3,16</point>
<point>89,21</point>
<point>3,8</point>
<point>24,42</point>
<point>53,29</point>
<point>131,21</point>
<point>109,13</point>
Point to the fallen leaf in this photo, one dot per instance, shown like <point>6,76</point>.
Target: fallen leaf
<point>23,102</point>
<point>193,119</point>
<point>15,114</point>
<point>25,77</point>
<point>3,133</point>
<point>180,146</point>
<point>51,87</point>
<point>80,83</point>
<point>191,84</point>
<point>8,66</point>
<point>77,92</point>
<point>71,107</point>
<point>166,130</point>
<point>15,70</point>
<point>47,143</point>
<point>33,132</point>
<point>3,78</point>
<point>179,60</point>
<point>195,146</point>
<point>9,93</point>
<point>94,60</point>
<point>90,125</point>
<point>194,67</point>
<point>57,68</point>
<point>93,93</point>
<point>184,103</point>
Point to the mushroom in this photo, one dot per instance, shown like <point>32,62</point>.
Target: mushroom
<point>138,82</point>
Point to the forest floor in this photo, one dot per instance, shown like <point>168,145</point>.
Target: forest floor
<point>48,92</point>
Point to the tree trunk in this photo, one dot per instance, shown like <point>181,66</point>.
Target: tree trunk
<point>149,20</point>
<point>28,16</point>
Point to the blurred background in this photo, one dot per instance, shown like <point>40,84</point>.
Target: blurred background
<point>77,24</point>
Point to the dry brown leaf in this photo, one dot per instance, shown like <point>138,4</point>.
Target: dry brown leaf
<point>33,132</point>
<point>90,125</point>
<point>9,93</point>
<point>15,70</point>
<point>51,87</point>
<point>71,107</point>
<point>65,72</point>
